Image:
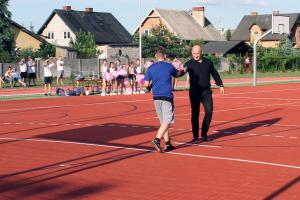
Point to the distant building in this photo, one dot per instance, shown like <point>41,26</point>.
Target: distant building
<point>253,26</point>
<point>222,48</point>
<point>186,25</point>
<point>62,25</point>
<point>25,39</point>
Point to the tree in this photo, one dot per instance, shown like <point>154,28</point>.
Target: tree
<point>6,35</point>
<point>228,34</point>
<point>160,36</point>
<point>45,50</point>
<point>85,45</point>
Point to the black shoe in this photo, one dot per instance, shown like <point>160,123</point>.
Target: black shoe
<point>156,145</point>
<point>169,147</point>
<point>195,141</point>
<point>46,94</point>
<point>206,139</point>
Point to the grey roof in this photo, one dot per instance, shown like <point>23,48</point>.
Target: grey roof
<point>104,26</point>
<point>187,28</point>
<point>224,47</point>
<point>265,23</point>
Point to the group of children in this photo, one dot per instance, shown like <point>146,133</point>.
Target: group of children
<point>121,79</point>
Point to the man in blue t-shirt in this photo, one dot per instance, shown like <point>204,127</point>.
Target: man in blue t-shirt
<point>159,78</point>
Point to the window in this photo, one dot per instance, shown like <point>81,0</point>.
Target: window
<point>67,35</point>
<point>50,35</point>
<point>147,32</point>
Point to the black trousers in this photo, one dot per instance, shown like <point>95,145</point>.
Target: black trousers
<point>196,98</point>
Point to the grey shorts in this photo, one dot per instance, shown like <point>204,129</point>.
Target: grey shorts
<point>60,73</point>
<point>164,111</point>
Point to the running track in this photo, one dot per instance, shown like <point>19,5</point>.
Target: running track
<point>98,148</point>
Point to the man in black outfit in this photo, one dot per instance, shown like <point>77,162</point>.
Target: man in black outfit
<point>199,70</point>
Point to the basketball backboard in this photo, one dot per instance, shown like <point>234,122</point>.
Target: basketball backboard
<point>280,24</point>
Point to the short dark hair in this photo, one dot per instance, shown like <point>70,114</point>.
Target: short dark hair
<point>160,51</point>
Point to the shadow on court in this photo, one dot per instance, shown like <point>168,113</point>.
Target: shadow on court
<point>283,189</point>
<point>114,135</point>
<point>244,128</point>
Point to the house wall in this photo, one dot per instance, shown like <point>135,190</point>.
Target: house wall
<point>297,37</point>
<point>270,44</point>
<point>255,32</point>
<point>58,27</point>
<point>24,40</point>
<point>154,20</point>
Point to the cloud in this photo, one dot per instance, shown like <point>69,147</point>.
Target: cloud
<point>259,3</point>
<point>208,2</point>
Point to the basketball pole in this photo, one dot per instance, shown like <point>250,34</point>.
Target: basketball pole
<point>140,31</point>
<point>255,55</point>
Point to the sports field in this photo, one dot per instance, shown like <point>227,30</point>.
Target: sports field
<point>94,147</point>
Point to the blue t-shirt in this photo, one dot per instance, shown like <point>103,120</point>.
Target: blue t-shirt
<point>160,74</point>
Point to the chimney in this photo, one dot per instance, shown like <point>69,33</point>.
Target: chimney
<point>67,8</point>
<point>276,12</point>
<point>254,13</point>
<point>198,14</point>
<point>90,10</point>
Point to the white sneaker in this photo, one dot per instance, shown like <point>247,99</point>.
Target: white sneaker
<point>142,92</point>
<point>134,92</point>
<point>103,94</point>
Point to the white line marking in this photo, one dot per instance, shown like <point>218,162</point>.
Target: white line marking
<point>181,129</point>
<point>266,135</point>
<point>173,153</point>
<point>76,124</point>
<point>19,123</point>
<point>53,124</point>
<point>143,100</point>
<point>252,134</point>
<point>215,131</point>
<point>279,136</point>
<point>89,124</point>
<point>293,137</point>
<point>199,145</point>
<point>67,124</point>
<point>7,123</point>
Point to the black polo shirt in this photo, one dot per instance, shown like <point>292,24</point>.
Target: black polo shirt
<point>200,72</point>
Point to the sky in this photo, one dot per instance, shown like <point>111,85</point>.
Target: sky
<point>222,13</point>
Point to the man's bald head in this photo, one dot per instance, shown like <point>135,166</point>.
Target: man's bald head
<point>197,52</point>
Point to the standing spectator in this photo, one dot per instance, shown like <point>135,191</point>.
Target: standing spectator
<point>104,70</point>
<point>132,77</point>
<point>23,69</point>
<point>17,78</point>
<point>200,69</point>
<point>31,68</point>
<point>60,71</point>
<point>8,76</point>
<point>247,64</point>
<point>139,76</point>
<point>120,78</point>
<point>113,72</point>
<point>48,76</point>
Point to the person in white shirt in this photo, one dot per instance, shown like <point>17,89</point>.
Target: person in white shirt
<point>60,71</point>
<point>31,69</point>
<point>48,76</point>
<point>23,69</point>
<point>104,69</point>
